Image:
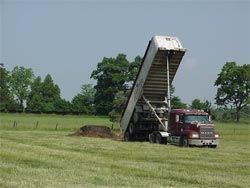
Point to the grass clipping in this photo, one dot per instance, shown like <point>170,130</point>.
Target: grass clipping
<point>96,131</point>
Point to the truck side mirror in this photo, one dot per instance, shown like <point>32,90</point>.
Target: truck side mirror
<point>177,118</point>
<point>209,118</point>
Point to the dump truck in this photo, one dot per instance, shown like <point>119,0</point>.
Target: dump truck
<point>148,115</point>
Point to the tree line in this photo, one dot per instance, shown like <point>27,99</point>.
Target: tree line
<point>22,91</point>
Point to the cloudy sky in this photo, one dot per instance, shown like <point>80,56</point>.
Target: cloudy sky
<point>67,38</point>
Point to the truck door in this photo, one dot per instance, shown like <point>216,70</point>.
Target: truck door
<point>181,124</point>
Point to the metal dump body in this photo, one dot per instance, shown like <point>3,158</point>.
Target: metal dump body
<point>154,75</point>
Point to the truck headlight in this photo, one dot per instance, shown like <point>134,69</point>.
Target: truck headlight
<point>194,135</point>
<point>216,135</point>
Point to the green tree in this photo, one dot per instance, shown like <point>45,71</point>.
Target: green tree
<point>233,84</point>
<point>133,70</point>
<point>223,114</point>
<point>7,102</point>
<point>50,94</point>
<point>197,104</point>
<point>48,107</point>
<point>112,75</point>
<point>176,103</point>
<point>62,106</point>
<point>45,97</point>
<point>83,102</point>
<point>20,81</point>
<point>118,105</point>
<point>35,99</point>
<point>78,106</point>
<point>50,91</point>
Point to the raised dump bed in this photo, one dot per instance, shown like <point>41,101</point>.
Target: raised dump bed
<point>158,68</point>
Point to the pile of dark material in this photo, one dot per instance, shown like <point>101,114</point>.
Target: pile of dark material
<point>95,131</point>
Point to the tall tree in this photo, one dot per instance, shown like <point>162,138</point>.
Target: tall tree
<point>7,102</point>
<point>133,70</point>
<point>118,105</point>
<point>112,75</point>
<point>50,94</point>
<point>35,99</point>
<point>78,106</point>
<point>83,102</point>
<point>20,81</point>
<point>176,103</point>
<point>50,91</point>
<point>233,84</point>
<point>197,104</point>
<point>62,106</point>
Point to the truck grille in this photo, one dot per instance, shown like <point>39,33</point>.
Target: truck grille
<point>207,132</point>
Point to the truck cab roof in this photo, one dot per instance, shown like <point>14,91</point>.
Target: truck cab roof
<point>188,111</point>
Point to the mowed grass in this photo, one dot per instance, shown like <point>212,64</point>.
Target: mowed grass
<point>40,156</point>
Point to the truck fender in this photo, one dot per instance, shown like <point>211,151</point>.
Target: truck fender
<point>158,137</point>
<point>164,134</point>
<point>161,137</point>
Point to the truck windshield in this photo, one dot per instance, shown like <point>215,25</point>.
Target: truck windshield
<point>195,118</point>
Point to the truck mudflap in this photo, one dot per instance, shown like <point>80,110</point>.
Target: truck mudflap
<point>203,142</point>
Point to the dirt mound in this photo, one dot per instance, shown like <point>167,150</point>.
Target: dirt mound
<point>95,131</point>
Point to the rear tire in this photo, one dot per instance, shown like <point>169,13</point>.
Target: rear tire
<point>152,138</point>
<point>131,128</point>
<point>127,137</point>
<point>158,139</point>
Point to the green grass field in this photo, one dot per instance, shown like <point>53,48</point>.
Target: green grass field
<point>36,155</point>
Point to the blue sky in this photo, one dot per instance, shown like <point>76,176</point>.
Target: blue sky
<point>67,38</point>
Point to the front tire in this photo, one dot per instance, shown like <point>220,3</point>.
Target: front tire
<point>213,146</point>
<point>184,142</point>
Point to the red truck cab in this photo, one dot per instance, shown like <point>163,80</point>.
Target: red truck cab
<point>192,128</point>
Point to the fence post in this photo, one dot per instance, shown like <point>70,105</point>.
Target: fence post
<point>14,124</point>
<point>56,126</point>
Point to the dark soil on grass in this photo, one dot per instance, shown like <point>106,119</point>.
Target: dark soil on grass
<point>96,131</point>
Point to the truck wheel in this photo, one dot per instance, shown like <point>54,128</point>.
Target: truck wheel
<point>131,128</point>
<point>152,138</point>
<point>158,139</point>
<point>184,142</point>
<point>127,137</point>
<point>213,146</point>
<point>135,117</point>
